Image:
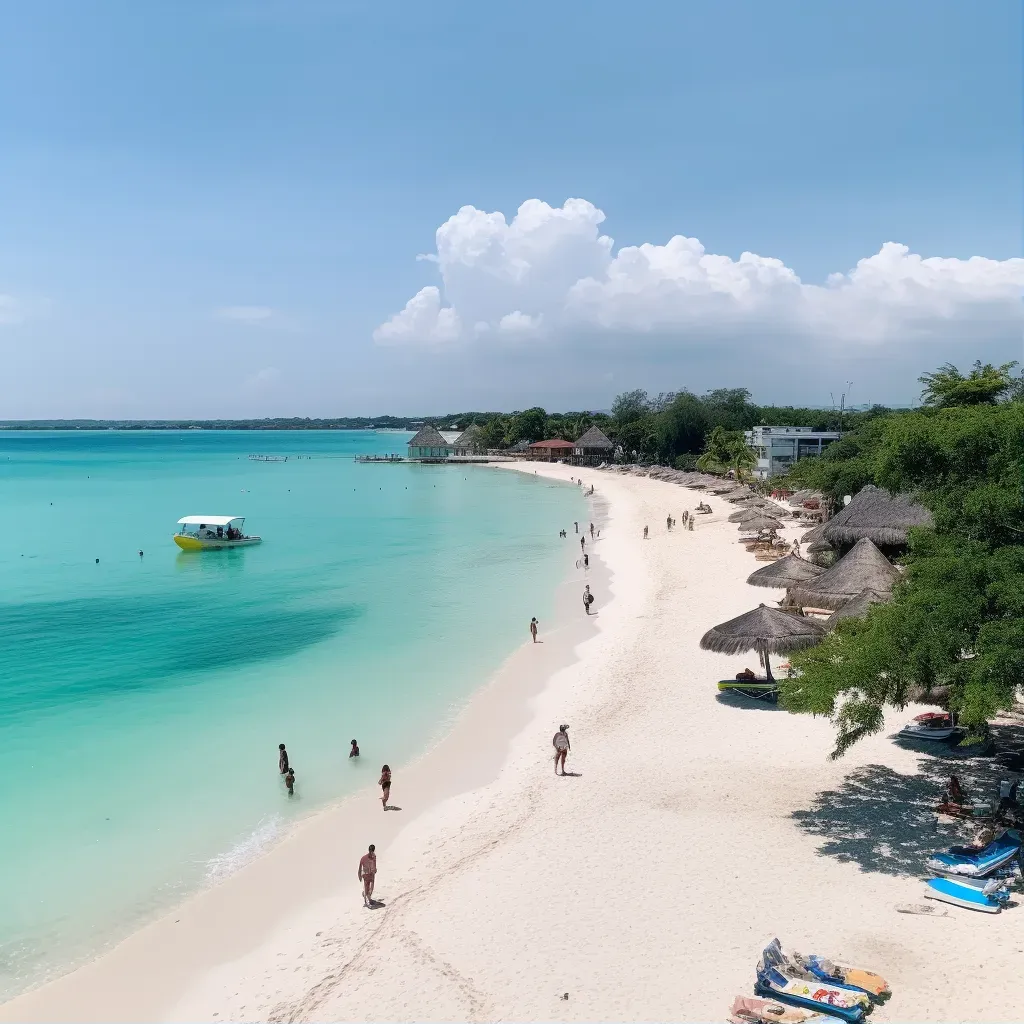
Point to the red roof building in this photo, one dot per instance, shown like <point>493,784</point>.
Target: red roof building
<point>550,451</point>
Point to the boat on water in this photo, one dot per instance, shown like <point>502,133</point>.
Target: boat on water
<point>200,533</point>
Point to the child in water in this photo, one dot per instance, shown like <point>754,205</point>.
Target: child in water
<point>354,752</point>
<point>289,781</point>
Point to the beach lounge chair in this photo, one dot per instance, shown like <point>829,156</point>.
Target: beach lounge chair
<point>752,1010</point>
<point>758,689</point>
<point>981,863</point>
<point>779,978</point>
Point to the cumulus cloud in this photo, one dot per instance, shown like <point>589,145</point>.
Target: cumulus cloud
<point>550,272</point>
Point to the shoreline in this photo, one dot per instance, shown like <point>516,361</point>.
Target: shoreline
<point>222,922</point>
<point>696,829</point>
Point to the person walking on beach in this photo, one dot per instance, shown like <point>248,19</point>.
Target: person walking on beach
<point>591,531</point>
<point>385,785</point>
<point>645,533</point>
<point>583,543</point>
<point>689,525</point>
<point>577,525</point>
<point>366,874</point>
<point>354,751</point>
<point>588,598</point>
<point>289,781</point>
<point>586,562</point>
<point>533,628</point>
<point>560,741</point>
<point>282,759</point>
<point>668,522</point>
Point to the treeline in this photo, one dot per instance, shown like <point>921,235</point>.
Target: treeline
<point>955,626</point>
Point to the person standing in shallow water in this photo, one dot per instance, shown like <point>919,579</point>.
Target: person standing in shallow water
<point>289,781</point>
<point>282,759</point>
<point>577,525</point>
<point>354,751</point>
<point>385,786</point>
<point>533,628</point>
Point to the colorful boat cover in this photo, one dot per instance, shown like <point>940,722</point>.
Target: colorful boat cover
<point>997,854</point>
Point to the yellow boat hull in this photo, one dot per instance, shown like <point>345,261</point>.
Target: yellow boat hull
<point>189,543</point>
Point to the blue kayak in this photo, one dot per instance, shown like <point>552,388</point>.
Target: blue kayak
<point>987,895</point>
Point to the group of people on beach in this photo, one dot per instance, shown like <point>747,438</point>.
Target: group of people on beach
<point>368,862</point>
<point>670,522</point>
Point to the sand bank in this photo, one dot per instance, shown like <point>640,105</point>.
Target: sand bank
<point>644,886</point>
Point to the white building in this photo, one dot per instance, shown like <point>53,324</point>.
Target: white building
<point>779,447</point>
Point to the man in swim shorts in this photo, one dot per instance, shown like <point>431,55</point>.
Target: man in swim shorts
<point>367,872</point>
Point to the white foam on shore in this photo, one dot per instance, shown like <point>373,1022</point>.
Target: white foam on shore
<point>267,832</point>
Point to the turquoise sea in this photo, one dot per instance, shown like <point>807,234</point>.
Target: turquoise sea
<point>142,698</point>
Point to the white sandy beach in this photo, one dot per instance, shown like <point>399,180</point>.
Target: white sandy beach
<point>645,886</point>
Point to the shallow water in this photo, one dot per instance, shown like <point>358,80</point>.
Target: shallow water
<point>142,698</point>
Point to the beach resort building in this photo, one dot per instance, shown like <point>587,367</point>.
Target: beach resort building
<point>470,442</point>
<point>778,448</point>
<point>593,448</point>
<point>429,445</point>
<point>549,451</point>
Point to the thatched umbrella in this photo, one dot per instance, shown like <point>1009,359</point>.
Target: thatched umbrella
<point>743,514</point>
<point>765,630</point>
<point>813,536</point>
<point>864,568</point>
<point>879,516</point>
<point>857,607</point>
<point>759,524</point>
<point>786,572</point>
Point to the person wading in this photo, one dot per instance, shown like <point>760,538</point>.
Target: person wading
<point>533,628</point>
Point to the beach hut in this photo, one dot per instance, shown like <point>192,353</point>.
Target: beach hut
<point>429,445</point>
<point>592,448</point>
<point>857,607</point>
<point>784,573</point>
<point>878,516</point>
<point>765,630</point>
<point>470,442</point>
<point>863,568</point>
<point>549,451</point>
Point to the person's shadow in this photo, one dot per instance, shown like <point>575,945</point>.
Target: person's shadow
<point>391,807</point>
<point>572,775</point>
<point>376,904</point>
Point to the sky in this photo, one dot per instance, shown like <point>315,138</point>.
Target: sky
<point>253,207</point>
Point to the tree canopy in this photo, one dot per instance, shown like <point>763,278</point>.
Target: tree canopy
<point>986,384</point>
<point>955,626</point>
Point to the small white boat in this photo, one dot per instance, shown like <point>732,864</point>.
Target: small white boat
<point>201,533</point>
<point>932,725</point>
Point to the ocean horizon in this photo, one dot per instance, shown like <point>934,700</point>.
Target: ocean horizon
<point>142,696</point>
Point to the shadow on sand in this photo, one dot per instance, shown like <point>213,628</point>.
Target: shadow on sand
<point>885,821</point>
<point>732,699</point>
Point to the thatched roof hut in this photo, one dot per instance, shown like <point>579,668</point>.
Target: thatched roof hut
<point>429,444</point>
<point>470,441</point>
<point>595,439</point>
<point>786,572</point>
<point>864,568</point>
<point>877,515</point>
<point>857,607</point>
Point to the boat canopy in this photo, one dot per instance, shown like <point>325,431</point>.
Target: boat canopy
<point>209,520</point>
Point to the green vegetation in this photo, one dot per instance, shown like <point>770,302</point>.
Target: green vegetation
<point>955,627</point>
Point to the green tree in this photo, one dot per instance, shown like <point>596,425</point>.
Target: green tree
<point>630,407</point>
<point>984,385</point>
<point>527,425</point>
<point>718,451</point>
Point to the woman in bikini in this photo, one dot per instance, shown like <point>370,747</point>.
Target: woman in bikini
<point>385,785</point>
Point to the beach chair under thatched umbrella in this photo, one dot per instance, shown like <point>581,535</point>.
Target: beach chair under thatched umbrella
<point>857,607</point>
<point>765,630</point>
<point>863,568</point>
<point>785,573</point>
<point>760,524</point>
<point>877,515</point>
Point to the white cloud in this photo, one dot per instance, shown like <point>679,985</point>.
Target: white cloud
<point>551,271</point>
<point>253,316</point>
<point>11,310</point>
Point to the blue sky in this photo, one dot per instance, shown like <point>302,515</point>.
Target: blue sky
<point>208,208</point>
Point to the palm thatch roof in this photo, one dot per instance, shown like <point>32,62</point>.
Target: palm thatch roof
<point>759,523</point>
<point>428,436</point>
<point>471,437</point>
<point>857,607</point>
<point>801,496</point>
<point>785,572</point>
<point>877,515</point>
<point>813,536</point>
<point>864,568</point>
<point>765,630</point>
<point>595,438</point>
<point>746,513</point>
